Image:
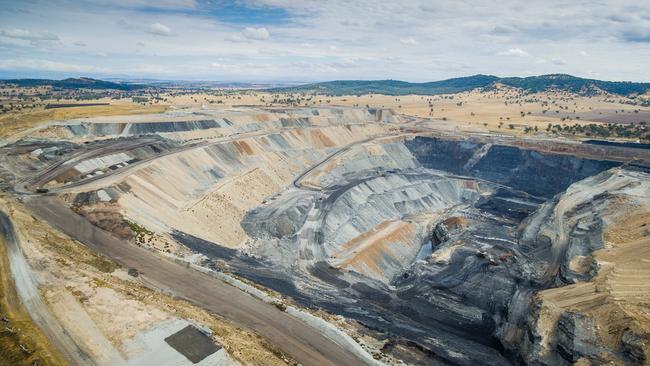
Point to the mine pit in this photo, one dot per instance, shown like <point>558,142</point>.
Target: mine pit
<point>450,249</point>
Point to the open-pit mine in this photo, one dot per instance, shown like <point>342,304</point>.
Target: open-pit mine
<point>342,236</point>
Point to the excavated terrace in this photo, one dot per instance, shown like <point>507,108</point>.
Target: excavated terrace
<point>437,244</point>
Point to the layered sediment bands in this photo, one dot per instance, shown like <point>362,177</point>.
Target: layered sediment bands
<point>186,125</point>
<point>468,301</point>
<point>359,231</point>
<point>372,157</point>
<point>389,245</point>
<point>458,252</point>
<point>537,173</point>
<point>595,231</point>
<point>279,218</point>
<point>377,227</point>
<point>144,128</point>
<point>394,196</point>
<point>214,186</point>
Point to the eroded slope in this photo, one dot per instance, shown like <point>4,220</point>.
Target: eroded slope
<point>453,250</point>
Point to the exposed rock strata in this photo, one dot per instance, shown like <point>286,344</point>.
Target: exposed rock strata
<point>456,251</point>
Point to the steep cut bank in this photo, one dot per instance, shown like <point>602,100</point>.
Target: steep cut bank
<point>536,173</point>
<point>377,208</point>
<point>449,250</point>
<point>423,240</point>
<point>599,259</point>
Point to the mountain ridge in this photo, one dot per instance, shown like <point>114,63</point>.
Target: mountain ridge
<point>562,82</point>
<point>539,83</point>
<point>74,83</point>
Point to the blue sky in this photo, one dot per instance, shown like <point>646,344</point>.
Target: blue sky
<point>286,40</point>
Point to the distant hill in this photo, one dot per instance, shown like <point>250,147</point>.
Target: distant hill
<point>575,84</point>
<point>74,83</point>
<point>392,87</point>
<point>530,84</point>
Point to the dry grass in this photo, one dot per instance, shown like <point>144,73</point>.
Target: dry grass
<point>468,111</point>
<point>13,123</point>
<point>25,332</point>
<point>67,265</point>
<point>472,111</point>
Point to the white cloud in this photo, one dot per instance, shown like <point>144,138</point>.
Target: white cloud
<point>429,8</point>
<point>151,4</point>
<point>517,52</point>
<point>29,36</point>
<point>47,65</point>
<point>558,61</point>
<point>408,41</point>
<point>350,23</point>
<point>447,33</point>
<point>236,38</point>
<point>503,30</point>
<point>126,25</point>
<point>259,34</point>
<point>80,44</point>
<point>159,29</point>
<point>151,69</point>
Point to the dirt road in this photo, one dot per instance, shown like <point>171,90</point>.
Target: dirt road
<point>31,298</point>
<point>303,342</point>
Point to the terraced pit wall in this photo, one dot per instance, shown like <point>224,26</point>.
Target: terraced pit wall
<point>436,245</point>
<point>459,306</point>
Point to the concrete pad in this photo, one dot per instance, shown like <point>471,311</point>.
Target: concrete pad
<point>193,344</point>
<point>152,348</point>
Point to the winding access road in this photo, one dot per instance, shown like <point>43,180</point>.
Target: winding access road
<point>300,340</point>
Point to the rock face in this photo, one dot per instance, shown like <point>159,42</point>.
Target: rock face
<point>635,347</point>
<point>181,124</point>
<point>459,252</point>
<point>440,233</point>
<point>439,244</point>
<point>279,219</point>
<point>501,229</point>
<point>576,337</point>
<point>596,276</point>
<point>536,173</point>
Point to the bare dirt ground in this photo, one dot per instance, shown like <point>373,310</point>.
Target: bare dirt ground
<point>96,301</point>
<point>474,110</point>
<point>12,124</point>
<point>299,339</point>
<point>618,298</point>
<point>609,115</point>
<point>21,341</point>
<point>503,110</point>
